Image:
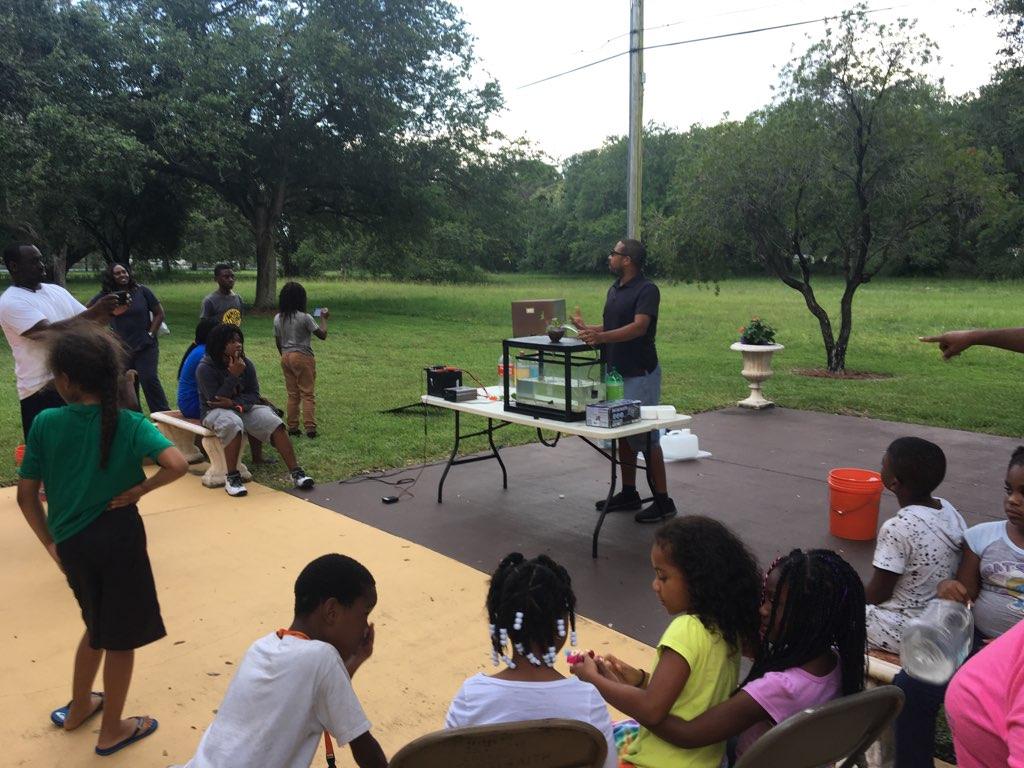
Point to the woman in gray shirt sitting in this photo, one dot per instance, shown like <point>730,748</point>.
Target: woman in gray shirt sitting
<point>293,332</point>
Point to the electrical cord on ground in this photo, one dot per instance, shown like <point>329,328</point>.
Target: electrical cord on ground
<point>383,477</point>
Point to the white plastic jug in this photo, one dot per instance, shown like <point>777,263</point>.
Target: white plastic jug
<point>679,444</point>
<point>936,643</point>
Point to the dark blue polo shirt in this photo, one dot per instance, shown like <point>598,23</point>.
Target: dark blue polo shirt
<point>637,297</point>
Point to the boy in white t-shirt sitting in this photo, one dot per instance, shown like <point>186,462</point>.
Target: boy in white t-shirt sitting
<point>916,549</point>
<point>294,686</point>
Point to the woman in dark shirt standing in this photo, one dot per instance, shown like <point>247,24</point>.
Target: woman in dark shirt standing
<point>136,321</point>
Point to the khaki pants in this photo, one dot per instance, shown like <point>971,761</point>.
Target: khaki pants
<point>299,378</point>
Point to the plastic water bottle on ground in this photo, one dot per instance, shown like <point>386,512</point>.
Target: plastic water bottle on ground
<point>935,644</point>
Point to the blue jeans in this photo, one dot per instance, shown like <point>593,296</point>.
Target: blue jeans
<point>915,725</point>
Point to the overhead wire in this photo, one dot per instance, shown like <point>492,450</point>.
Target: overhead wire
<point>694,40</point>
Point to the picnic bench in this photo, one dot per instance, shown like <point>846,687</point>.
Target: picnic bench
<point>182,431</point>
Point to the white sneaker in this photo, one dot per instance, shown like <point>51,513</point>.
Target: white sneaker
<point>233,484</point>
<point>301,479</point>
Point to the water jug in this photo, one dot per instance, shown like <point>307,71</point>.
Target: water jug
<point>679,444</point>
<point>614,387</point>
<point>936,643</point>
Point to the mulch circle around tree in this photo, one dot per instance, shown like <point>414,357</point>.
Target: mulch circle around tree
<point>824,373</point>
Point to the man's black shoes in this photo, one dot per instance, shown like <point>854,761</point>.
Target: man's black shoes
<point>622,501</point>
<point>657,511</point>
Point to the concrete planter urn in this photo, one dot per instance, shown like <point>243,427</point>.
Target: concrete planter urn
<point>757,366</point>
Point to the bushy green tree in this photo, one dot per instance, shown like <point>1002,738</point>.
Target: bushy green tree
<point>319,108</point>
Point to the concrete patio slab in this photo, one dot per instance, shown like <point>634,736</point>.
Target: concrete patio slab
<point>224,570</point>
<point>766,479</point>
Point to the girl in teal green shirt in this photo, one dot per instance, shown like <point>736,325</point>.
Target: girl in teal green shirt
<point>89,455</point>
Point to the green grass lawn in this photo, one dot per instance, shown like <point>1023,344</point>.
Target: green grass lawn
<point>382,334</point>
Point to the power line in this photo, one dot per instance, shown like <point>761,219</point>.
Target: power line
<point>690,41</point>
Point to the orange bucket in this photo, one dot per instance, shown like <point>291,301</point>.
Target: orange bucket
<point>19,455</point>
<point>854,495</point>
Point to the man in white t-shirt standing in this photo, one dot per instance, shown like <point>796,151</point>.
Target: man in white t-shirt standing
<point>29,307</point>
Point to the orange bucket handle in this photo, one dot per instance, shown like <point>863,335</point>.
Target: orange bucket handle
<point>858,508</point>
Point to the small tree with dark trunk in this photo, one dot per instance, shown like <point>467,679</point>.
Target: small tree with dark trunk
<point>836,176</point>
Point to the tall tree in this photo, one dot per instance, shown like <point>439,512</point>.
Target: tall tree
<point>347,109</point>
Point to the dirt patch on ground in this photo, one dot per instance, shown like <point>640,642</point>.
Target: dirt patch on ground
<point>824,373</point>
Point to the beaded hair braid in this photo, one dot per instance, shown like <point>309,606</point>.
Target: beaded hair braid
<point>527,603</point>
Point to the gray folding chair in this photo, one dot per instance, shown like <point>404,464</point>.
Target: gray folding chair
<point>841,730</point>
<point>552,743</point>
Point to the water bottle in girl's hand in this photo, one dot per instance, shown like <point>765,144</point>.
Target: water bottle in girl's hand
<point>935,644</point>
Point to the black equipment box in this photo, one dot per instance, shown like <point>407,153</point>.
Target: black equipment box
<point>441,377</point>
<point>459,394</point>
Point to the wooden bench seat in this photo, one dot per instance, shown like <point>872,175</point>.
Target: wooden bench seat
<point>182,432</point>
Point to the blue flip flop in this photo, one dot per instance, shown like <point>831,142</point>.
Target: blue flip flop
<point>139,734</point>
<point>59,715</point>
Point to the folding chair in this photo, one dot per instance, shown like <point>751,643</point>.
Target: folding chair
<point>841,730</point>
<point>552,743</point>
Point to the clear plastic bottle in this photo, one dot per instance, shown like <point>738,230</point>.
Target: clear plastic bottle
<point>501,367</point>
<point>935,644</point>
<point>615,389</point>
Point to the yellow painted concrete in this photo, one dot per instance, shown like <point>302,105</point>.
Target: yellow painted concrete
<point>225,569</point>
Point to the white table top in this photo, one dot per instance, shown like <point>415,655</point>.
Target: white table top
<point>495,409</point>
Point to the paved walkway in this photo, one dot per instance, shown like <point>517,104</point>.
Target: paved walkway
<point>767,480</point>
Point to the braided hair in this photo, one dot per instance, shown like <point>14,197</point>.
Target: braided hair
<point>526,602</point>
<point>824,609</point>
<point>93,360</point>
<point>722,576</point>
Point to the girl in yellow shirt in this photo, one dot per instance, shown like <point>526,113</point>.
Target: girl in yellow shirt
<point>706,578</point>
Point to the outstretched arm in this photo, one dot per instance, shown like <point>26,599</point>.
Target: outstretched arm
<point>952,343</point>
<point>730,718</point>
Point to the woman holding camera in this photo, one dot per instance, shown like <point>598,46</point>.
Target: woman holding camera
<point>137,319</point>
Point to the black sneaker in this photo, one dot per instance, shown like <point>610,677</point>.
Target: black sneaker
<point>301,479</point>
<point>233,484</point>
<point>295,432</point>
<point>621,502</point>
<point>311,434</point>
<point>656,512</point>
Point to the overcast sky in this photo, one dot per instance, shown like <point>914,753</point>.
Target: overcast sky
<point>519,42</point>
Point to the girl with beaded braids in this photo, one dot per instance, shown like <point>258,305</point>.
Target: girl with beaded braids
<point>707,579</point>
<point>531,612</point>
<point>90,453</point>
<point>813,641</point>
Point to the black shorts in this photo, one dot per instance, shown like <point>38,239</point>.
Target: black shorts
<point>36,403</point>
<point>108,569</point>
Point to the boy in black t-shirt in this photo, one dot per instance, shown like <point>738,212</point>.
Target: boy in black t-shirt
<point>629,326</point>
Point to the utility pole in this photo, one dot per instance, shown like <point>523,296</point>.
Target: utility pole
<point>636,117</point>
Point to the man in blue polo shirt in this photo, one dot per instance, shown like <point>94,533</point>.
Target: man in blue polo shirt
<point>628,329</point>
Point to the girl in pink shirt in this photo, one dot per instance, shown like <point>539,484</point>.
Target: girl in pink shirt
<point>985,705</point>
<point>813,640</point>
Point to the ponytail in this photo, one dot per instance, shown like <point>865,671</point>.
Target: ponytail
<point>93,359</point>
<point>108,423</point>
